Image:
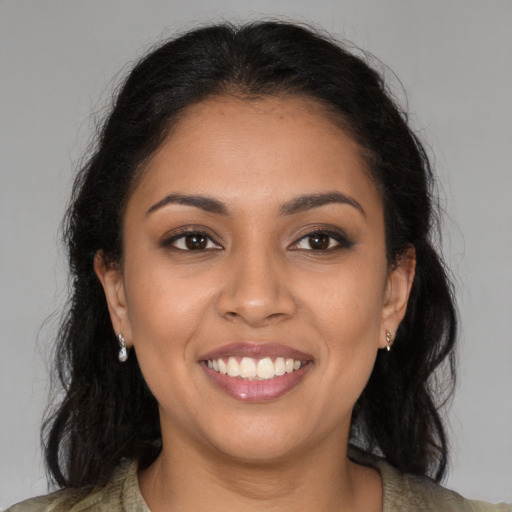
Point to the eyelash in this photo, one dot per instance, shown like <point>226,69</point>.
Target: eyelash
<point>342,242</point>
<point>340,238</point>
<point>186,233</point>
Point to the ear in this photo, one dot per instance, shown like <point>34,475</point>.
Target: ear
<point>111,279</point>
<point>398,288</point>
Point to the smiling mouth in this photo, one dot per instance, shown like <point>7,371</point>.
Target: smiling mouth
<point>249,368</point>
<point>256,372</point>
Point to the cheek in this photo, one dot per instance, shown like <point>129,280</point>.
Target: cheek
<point>346,311</point>
<point>164,315</point>
<point>164,308</point>
<point>348,303</point>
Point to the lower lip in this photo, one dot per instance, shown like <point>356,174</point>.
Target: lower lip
<point>257,390</point>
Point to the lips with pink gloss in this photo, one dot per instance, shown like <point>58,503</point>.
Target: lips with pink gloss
<point>256,372</point>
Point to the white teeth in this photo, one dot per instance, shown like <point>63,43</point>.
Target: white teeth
<point>254,369</point>
<point>223,367</point>
<point>265,368</point>
<point>233,367</point>
<point>247,368</point>
<point>279,366</point>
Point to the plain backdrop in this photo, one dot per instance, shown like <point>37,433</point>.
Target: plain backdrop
<point>60,61</point>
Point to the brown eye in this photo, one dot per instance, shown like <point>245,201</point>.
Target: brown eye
<point>319,241</point>
<point>322,241</point>
<point>196,242</point>
<point>192,241</point>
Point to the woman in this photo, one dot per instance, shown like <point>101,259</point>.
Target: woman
<point>258,310</point>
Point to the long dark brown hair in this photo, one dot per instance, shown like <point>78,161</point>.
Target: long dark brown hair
<point>107,412</point>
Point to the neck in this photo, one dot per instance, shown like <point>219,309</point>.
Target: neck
<point>321,479</point>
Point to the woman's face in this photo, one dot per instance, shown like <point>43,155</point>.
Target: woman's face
<point>254,244</point>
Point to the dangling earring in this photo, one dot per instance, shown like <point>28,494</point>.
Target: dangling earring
<point>389,341</point>
<point>123,349</point>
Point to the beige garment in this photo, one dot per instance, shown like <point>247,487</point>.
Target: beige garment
<point>402,493</point>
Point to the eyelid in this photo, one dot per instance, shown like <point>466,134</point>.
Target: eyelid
<point>343,241</point>
<point>170,238</point>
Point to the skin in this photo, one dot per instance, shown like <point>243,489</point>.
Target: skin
<point>258,279</point>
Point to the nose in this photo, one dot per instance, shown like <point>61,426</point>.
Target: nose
<point>256,290</point>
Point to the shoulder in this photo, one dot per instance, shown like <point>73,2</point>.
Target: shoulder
<point>410,493</point>
<point>120,493</point>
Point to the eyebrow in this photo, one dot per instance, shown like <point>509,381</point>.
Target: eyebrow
<point>208,204</point>
<point>296,205</point>
<point>308,201</point>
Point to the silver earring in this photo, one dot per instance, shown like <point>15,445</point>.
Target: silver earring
<point>389,341</point>
<point>123,349</point>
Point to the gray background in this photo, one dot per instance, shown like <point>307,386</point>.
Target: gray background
<point>454,58</point>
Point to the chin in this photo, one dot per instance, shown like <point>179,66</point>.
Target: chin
<point>257,452</point>
<point>256,441</point>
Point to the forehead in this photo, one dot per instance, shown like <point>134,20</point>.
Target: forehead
<point>268,148</point>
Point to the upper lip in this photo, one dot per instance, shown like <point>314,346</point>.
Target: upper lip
<point>256,351</point>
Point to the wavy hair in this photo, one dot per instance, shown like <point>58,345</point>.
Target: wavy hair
<point>107,412</point>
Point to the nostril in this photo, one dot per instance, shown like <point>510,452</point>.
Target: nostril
<point>256,302</point>
<point>254,320</point>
